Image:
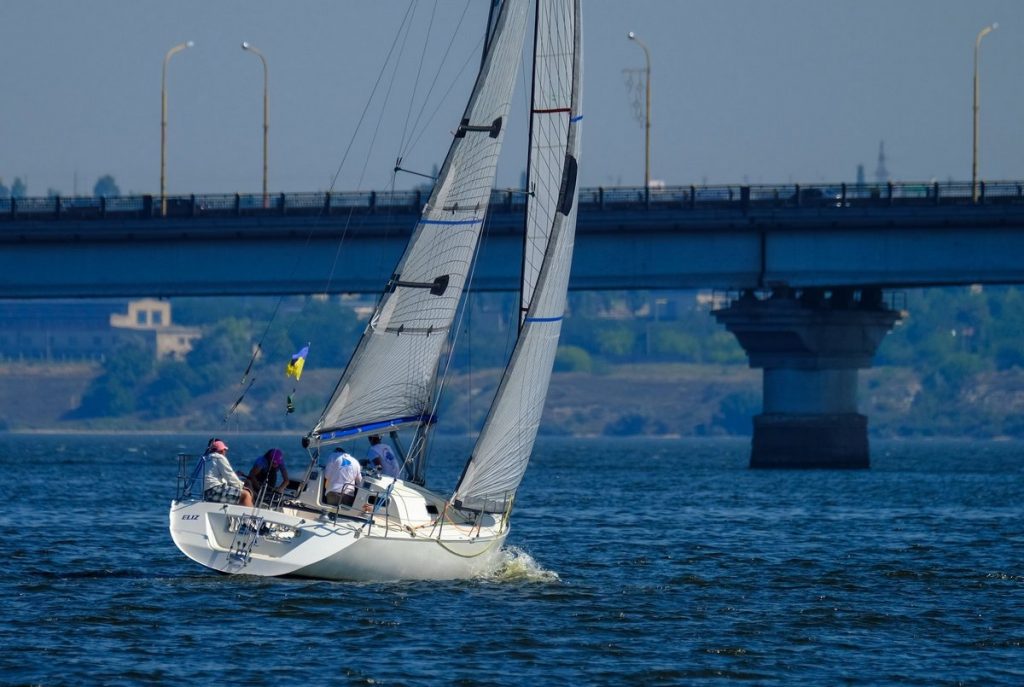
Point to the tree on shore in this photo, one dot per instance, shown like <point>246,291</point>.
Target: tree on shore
<point>106,186</point>
<point>18,188</point>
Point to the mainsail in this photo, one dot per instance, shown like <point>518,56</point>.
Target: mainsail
<point>499,460</point>
<point>389,381</point>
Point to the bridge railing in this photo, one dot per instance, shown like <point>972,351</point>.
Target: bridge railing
<point>730,196</point>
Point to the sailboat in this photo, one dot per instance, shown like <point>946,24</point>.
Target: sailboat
<point>395,527</point>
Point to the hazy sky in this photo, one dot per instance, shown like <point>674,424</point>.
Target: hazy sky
<point>758,91</point>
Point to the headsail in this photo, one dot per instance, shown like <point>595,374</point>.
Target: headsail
<point>503,450</point>
<point>389,380</point>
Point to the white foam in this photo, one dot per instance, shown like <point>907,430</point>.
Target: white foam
<point>515,565</point>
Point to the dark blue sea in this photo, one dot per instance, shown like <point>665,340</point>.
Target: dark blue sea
<point>630,562</point>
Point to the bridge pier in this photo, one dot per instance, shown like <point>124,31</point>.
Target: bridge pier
<point>810,344</point>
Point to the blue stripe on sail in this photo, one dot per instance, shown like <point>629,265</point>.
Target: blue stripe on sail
<point>576,118</point>
<point>376,426</point>
<point>451,221</point>
<point>543,319</point>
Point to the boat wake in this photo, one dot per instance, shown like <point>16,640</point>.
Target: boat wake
<point>516,565</point>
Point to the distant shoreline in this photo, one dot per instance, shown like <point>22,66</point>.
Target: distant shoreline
<point>142,432</point>
<point>583,437</point>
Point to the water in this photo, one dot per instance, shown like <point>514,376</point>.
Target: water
<point>661,562</point>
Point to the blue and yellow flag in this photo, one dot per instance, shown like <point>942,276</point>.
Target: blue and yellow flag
<point>294,368</point>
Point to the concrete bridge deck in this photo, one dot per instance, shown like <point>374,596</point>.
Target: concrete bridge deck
<point>725,237</point>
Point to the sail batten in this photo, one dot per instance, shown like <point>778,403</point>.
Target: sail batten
<point>452,222</point>
<point>393,369</point>
<point>498,462</point>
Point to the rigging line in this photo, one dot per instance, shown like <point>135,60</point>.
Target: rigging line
<point>373,142</point>
<point>444,372</point>
<point>468,555</point>
<point>238,402</point>
<point>437,74</point>
<point>525,90</point>
<point>359,125</point>
<point>384,108</point>
<point>266,330</point>
<point>387,232</point>
<point>419,71</point>
<point>387,236</point>
<point>530,180</point>
<point>415,141</point>
<point>369,101</point>
<point>377,504</point>
<point>442,376</point>
<point>309,234</point>
<point>469,343</point>
<point>255,354</point>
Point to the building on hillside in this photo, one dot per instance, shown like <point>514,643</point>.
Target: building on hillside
<point>710,300</point>
<point>152,318</point>
<point>75,330</point>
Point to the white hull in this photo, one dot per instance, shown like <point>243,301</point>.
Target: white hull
<point>307,539</point>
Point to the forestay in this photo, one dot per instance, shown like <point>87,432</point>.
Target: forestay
<point>389,380</point>
<point>499,460</point>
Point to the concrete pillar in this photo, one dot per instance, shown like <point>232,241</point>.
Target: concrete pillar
<point>810,344</point>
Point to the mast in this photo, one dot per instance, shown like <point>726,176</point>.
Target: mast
<point>529,175</point>
<point>498,462</point>
<point>529,171</point>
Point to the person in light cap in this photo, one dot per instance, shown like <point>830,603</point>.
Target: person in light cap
<point>221,482</point>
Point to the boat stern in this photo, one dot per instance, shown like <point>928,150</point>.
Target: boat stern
<point>253,541</point>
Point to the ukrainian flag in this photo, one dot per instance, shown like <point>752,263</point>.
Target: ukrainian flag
<point>294,368</point>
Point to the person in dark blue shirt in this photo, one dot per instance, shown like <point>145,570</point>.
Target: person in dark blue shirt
<point>264,473</point>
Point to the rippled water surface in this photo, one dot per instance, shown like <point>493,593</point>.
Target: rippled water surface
<point>630,562</point>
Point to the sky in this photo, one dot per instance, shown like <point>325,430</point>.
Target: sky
<point>743,91</point>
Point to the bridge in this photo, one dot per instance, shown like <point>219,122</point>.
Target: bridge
<point>809,265</point>
<point>725,237</point>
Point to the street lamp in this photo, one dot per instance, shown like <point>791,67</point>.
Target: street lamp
<point>974,158</point>
<point>266,114</point>
<point>163,124</point>
<point>647,111</point>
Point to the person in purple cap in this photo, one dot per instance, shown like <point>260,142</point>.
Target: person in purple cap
<point>264,473</point>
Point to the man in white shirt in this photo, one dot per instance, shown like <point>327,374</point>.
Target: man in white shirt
<point>381,456</point>
<point>343,478</point>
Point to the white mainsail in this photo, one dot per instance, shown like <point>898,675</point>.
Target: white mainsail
<point>389,381</point>
<point>499,460</point>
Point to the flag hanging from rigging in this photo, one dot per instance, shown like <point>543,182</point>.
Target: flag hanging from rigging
<point>298,360</point>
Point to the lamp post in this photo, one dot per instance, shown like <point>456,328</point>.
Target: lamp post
<point>974,157</point>
<point>647,111</point>
<point>266,114</point>
<point>163,124</point>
